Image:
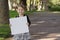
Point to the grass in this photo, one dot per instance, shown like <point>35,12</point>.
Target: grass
<point>1,38</point>
<point>4,31</point>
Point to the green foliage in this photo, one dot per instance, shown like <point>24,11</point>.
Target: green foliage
<point>54,5</point>
<point>55,2</point>
<point>13,14</point>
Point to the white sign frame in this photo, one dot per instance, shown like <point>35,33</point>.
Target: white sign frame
<point>18,25</point>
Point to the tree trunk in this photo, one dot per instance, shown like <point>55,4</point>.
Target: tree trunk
<point>28,5</point>
<point>4,17</point>
<point>10,7</point>
<point>45,4</point>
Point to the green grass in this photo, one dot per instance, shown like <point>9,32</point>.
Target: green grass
<point>1,38</point>
<point>4,31</point>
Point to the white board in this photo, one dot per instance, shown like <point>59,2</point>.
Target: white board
<point>18,25</point>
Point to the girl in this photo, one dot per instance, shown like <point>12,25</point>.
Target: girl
<point>22,36</point>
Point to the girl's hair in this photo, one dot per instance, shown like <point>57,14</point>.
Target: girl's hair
<point>20,5</point>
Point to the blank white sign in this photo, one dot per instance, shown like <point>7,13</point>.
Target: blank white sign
<point>18,25</point>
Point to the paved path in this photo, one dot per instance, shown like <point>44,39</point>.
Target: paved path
<point>45,26</point>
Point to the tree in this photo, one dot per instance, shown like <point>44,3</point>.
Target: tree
<point>4,17</point>
<point>28,5</point>
<point>45,4</point>
<point>10,6</point>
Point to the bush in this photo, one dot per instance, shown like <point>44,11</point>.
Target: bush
<point>13,14</point>
<point>53,7</point>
